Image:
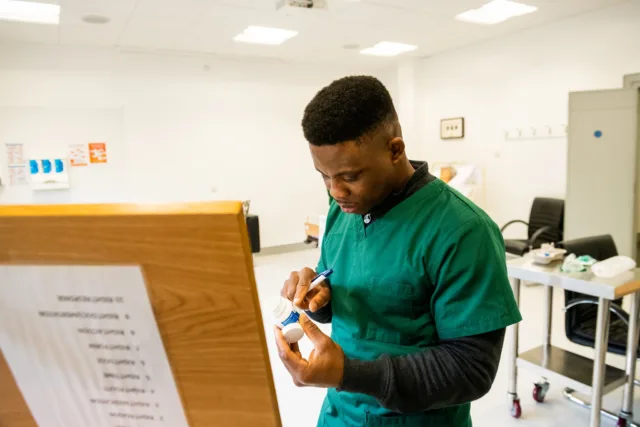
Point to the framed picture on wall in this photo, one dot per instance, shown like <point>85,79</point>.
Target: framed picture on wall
<point>452,128</point>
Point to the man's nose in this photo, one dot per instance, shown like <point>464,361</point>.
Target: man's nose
<point>338,190</point>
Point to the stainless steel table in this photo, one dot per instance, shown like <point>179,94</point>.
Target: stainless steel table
<point>576,372</point>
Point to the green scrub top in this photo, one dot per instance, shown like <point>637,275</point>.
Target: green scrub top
<point>431,268</point>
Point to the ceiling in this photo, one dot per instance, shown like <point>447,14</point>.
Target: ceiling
<point>208,26</point>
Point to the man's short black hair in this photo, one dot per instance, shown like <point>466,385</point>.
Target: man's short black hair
<point>347,110</point>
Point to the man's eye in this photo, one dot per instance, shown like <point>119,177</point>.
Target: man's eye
<point>351,178</point>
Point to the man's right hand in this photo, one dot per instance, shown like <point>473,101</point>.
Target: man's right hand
<point>296,289</point>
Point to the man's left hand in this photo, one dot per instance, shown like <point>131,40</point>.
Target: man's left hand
<point>325,366</point>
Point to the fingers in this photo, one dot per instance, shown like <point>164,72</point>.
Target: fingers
<point>297,285</point>
<point>290,285</point>
<point>317,337</point>
<point>321,298</point>
<point>305,276</point>
<point>296,349</point>
<point>292,360</point>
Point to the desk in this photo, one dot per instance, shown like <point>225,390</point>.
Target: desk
<point>312,232</point>
<point>564,366</point>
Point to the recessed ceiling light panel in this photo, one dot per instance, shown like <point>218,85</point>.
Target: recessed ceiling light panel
<point>28,11</point>
<point>495,12</point>
<point>264,35</point>
<point>388,49</point>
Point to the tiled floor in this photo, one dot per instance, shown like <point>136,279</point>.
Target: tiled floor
<point>300,407</point>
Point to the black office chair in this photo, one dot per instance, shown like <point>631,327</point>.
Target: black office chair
<point>546,225</point>
<point>582,310</point>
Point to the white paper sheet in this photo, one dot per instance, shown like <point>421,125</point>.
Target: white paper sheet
<point>18,176</point>
<point>15,154</point>
<point>84,347</point>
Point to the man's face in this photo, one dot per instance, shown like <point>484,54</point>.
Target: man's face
<point>358,176</point>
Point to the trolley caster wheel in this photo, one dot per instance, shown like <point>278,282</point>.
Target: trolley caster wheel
<point>516,409</point>
<point>540,391</point>
<point>621,422</point>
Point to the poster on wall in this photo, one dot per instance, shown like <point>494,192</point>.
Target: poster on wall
<point>15,154</point>
<point>78,155</point>
<point>98,152</point>
<point>18,175</point>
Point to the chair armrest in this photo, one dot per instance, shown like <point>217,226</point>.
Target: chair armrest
<point>614,308</point>
<point>515,221</point>
<point>537,234</point>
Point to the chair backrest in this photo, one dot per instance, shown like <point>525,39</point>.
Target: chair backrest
<point>600,248</point>
<point>547,212</point>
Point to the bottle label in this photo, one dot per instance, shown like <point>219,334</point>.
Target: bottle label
<point>293,318</point>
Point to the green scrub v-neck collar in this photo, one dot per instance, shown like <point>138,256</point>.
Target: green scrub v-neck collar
<point>420,178</point>
<point>413,201</point>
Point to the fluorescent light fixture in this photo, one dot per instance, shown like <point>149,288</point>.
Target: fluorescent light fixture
<point>26,11</point>
<point>264,35</point>
<point>495,12</point>
<point>388,49</point>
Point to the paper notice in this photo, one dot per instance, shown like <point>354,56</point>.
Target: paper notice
<point>15,154</point>
<point>18,176</point>
<point>98,152</point>
<point>84,348</point>
<point>78,155</point>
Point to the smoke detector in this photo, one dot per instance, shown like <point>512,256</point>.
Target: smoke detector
<point>296,5</point>
<point>95,19</point>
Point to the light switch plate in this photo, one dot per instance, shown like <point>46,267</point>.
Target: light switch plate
<point>452,128</point>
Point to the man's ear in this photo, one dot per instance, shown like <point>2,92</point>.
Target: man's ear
<point>396,148</point>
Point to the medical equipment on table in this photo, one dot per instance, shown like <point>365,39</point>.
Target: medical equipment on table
<point>547,254</point>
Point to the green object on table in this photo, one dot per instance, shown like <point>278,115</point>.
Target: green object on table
<point>573,264</point>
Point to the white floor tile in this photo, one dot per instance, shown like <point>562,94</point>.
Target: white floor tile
<point>300,407</point>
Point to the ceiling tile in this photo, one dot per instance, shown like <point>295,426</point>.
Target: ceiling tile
<point>29,33</point>
<point>441,8</point>
<point>74,31</point>
<point>157,23</point>
<point>265,5</point>
<point>370,23</point>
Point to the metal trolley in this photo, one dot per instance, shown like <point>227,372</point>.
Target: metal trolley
<point>575,372</point>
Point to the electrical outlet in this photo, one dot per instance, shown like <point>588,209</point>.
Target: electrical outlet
<point>452,128</point>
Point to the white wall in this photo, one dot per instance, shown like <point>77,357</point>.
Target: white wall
<point>523,79</point>
<point>187,125</point>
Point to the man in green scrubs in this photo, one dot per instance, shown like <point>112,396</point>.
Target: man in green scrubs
<point>419,299</point>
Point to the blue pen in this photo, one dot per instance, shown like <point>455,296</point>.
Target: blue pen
<point>320,278</point>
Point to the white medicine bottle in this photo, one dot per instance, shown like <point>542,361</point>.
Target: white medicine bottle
<point>286,316</point>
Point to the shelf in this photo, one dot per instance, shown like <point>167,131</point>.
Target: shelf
<point>572,370</point>
<point>50,186</point>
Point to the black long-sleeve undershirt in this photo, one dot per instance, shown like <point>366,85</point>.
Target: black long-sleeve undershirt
<point>451,372</point>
